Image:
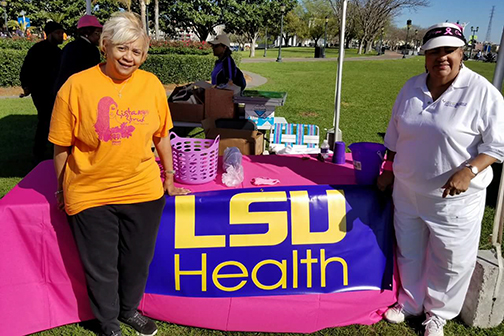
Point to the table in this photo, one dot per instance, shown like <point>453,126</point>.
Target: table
<point>42,283</point>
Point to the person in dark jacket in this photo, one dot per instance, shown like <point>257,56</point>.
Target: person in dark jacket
<point>82,53</point>
<point>225,69</point>
<point>38,75</point>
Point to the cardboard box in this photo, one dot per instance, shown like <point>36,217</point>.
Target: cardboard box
<point>248,142</point>
<point>219,104</point>
<point>184,111</point>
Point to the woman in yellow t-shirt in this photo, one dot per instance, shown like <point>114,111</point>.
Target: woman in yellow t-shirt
<point>103,123</point>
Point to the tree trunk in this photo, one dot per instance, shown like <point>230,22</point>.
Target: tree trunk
<point>156,18</point>
<point>361,44</point>
<point>142,15</point>
<point>252,46</point>
<point>369,46</point>
<point>203,35</point>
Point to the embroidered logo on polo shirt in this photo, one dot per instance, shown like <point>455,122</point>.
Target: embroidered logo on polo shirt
<point>453,104</point>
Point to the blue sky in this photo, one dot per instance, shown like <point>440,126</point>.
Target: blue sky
<point>476,12</point>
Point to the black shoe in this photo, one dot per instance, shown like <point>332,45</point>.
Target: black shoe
<point>113,333</point>
<point>142,324</point>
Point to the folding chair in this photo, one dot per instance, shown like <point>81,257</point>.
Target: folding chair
<point>302,138</point>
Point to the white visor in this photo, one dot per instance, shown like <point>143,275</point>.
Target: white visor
<point>444,35</point>
<point>443,41</point>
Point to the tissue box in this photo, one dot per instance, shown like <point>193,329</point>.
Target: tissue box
<point>261,115</point>
<point>259,111</point>
<point>263,123</point>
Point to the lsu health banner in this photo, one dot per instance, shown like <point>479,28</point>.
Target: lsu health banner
<point>274,241</point>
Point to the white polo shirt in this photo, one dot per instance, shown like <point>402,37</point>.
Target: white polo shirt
<point>435,139</point>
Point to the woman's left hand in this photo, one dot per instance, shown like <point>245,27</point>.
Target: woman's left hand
<point>171,190</point>
<point>458,183</point>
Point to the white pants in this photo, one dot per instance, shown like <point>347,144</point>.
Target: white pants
<point>437,242</point>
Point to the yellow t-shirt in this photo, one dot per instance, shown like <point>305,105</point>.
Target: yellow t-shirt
<point>110,128</point>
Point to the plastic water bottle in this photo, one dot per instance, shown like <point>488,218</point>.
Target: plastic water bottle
<point>232,157</point>
<point>324,149</point>
<point>233,169</point>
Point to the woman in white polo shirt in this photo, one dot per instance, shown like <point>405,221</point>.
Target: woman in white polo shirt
<point>444,133</point>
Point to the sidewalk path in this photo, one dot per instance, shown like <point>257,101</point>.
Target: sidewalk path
<point>255,79</point>
<point>389,55</point>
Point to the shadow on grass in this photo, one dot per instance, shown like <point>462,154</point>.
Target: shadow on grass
<point>415,323</point>
<point>91,325</point>
<point>16,137</point>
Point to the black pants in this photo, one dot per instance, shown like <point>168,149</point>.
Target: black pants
<point>44,104</point>
<point>116,245</point>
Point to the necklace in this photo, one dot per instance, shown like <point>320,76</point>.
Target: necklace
<point>119,92</point>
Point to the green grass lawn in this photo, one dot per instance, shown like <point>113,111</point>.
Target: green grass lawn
<point>303,52</point>
<point>369,91</point>
<point>18,122</point>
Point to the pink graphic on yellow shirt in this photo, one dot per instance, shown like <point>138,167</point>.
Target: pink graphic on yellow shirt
<point>107,108</point>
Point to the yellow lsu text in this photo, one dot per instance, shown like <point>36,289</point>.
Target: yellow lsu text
<point>277,221</point>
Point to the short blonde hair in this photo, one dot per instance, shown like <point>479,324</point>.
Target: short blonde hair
<point>124,27</point>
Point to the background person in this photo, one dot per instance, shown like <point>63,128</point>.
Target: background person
<point>225,70</point>
<point>445,131</point>
<point>82,53</point>
<point>38,75</point>
<point>104,121</point>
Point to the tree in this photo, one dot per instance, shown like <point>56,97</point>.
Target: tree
<point>365,18</point>
<point>240,39</point>
<point>103,9</point>
<point>373,14</point>
<point>315,14</point>
<point>351,27</point>
<point>156,19</point>
<point>316,29</point>
<point>65,12</point>
<point>143,7</point>
<point>248,17</point>
<point>126,3</point>
<point>200,16</point>
<point>293,25</point>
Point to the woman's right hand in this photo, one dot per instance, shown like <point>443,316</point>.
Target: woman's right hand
<point>385,180</point>
<point>60,200</point>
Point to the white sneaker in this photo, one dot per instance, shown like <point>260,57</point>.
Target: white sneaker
<point>396,314</point>
<point>433,325</point>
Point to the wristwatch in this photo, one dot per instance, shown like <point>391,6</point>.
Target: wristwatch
<point>473,169</point>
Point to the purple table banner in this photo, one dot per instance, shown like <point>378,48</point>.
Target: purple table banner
<point>274,241</point>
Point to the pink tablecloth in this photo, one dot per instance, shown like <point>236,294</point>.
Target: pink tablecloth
<point>42,283</point>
